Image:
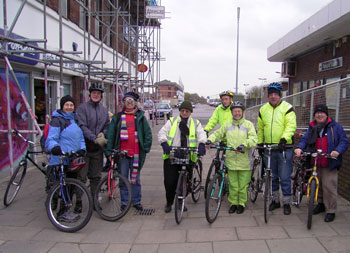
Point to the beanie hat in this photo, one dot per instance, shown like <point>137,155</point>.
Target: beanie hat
<point>131,95</point>
<point>65,99</point>
<point>186,105</point>
<point>321,108</point>
<point>273,90</point>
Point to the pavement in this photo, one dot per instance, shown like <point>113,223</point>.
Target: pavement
<point>24,226</point>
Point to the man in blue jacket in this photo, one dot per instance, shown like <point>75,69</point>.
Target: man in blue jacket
<point>326,134</point>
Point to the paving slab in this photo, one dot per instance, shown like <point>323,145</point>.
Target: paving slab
<point>241,246</point>
<point>336,244</point>
<point>211,235</point>
<point>310,245</point>
<point>161,236</point>
<point>300,231</point>
<point>186,248</point>
<point>15,246</point>
<point>266,232</point>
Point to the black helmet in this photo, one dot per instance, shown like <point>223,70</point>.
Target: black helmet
<point>226,93</point>
<point>76,165</point>
<point>237,104</point>
<point>96,86</point>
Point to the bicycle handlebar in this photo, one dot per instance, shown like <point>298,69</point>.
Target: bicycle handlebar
<point>317,153</point>
<point>186,149</point>
<point>16,132</point>
<point>272,146</point>
<point>220,147</point>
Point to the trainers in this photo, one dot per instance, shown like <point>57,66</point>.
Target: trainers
<point>138,207</point>
<point>68,217</point>
<point>240,209</point>
<point>78,206</point>
<point>232,209</point>
<point>320,208</point>
<point>274,205</point>
<point>167,208</point>
<point>329,217</point>
<point>286,209</point>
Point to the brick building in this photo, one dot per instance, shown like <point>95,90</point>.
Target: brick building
<point>172,91</point>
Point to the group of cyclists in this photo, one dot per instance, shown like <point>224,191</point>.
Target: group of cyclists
<point>92,131</point>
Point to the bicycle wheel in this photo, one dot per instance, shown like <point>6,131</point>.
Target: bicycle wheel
<point>214,198</point>
<point>211,173</point>
<point>15,183</point>
<point>197,181</point>
<point>311,202</point>
<point>267,189</point>
<point>61,202</point>
<point>297,189</point>
<point>253,187</point>
<point>108,201</point>
<point>180,196</point>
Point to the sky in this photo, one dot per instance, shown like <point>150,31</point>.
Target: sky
<point>199,41</point>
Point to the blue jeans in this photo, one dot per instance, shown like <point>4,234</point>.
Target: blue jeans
<point>281,170</point>
<point>125,165</point>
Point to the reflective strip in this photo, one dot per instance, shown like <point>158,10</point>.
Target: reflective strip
<point>243,129</point>
<point>233,127</point>
<point>192,141</point>
<point>170,138</point>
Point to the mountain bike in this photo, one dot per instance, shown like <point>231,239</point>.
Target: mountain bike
<point>313,184</point>
<point>257,177</point>
<point>190,178</point>
<point>218,186</point>
<point>63,196</point>
<point>108,196</point>
<point>300,177</point>
<point>19,173</point>
<point>267,191</point>
<point>215,164</point>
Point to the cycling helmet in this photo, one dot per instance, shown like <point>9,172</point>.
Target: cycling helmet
<point>274,88</point>
<point>96,86</point>
<point>237,104</point>
<point>76,165</point>
<point>226,93</point>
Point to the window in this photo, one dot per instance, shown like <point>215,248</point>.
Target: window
<point>64,8</point>
<point>169,94</point>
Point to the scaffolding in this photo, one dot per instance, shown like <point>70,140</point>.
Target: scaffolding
<point>121,26</point>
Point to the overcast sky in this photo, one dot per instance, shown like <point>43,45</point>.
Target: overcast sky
<point>199,40</point>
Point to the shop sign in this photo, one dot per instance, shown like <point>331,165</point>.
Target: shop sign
<point>155,12</point>
<point>15,46</point>
<point>142,68</point>
<point>331,64</point>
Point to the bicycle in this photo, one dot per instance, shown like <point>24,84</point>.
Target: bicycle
<point>215,164</point>
<point>267,191</point>
<point>63,196</point>
<point>218,186</point>
<point>313,184</point>
<point>257,178</point>
<point>300,177</point>
<point>190,179</point>
<point>108,202</point>
<point>19,173</point>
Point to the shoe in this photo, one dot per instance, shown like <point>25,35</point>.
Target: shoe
<point>329,217</point>
<point>240,209</point>
<point>78,206</point>
<point>232,209</point>
<point>320,208</point>
<point>274,205</point>
<point>68,217</point>
<point>138,207</point>
<point>185,208</point>
<point>286,209</point>
<point>167,208</point>
<point>122,207</point>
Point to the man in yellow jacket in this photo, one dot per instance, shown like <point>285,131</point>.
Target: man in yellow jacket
<point>240,134</point>
<point>276,125</point>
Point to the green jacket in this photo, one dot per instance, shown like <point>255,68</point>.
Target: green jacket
<point>220,115</point>
<point>237,132</point>
<point>143,130</point>
<point>276,123</point>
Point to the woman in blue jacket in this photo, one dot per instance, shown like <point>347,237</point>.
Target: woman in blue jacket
<point>65,136</point>
<point>326,134</point>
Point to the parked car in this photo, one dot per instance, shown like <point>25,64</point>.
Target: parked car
<point>148,104</point>
<point>161,110</point>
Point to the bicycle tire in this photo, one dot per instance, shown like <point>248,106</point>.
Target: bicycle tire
<point>297,189</point>
<point>267,189</point>
<point>197,181</point>
<point>214,198</point>
<point>253,187</point>
<point>15,183</point>
<point>180,196</point>
<point>311,202</point>
<point>56,206</point>
<point>211,173</point>
<point>107,200</point>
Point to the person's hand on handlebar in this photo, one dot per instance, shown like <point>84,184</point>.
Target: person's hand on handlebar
<point>207,144</point>
<point>240,149</point>
<point>334,154</point>
<point>282,144</point>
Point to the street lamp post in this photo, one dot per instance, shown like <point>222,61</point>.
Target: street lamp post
<point>263,80</point>
<point>246,93</point>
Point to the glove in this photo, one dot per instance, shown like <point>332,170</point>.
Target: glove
<point>166,148</point>
<point>101,140</point>
<point>240,148</point>
<point>56,150</point>
<point>282,144</point>
<point>260,150</point>
<point>201,149</point>
<point>80,152</point>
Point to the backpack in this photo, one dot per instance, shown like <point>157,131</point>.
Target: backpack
<point>63,124</point>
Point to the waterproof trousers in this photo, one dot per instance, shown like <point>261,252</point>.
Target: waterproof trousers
<point>238,186</point>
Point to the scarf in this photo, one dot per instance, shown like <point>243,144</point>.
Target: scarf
<point>316,132</point>
<point>185,131</point>
<point>124,136</point>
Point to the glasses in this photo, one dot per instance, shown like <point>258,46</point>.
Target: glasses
<point>129,100</point>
